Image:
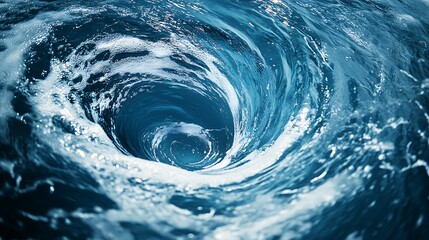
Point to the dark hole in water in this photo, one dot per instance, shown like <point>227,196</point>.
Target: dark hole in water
<point>175,125</point>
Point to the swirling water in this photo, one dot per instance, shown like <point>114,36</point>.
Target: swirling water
<point>214,119</point>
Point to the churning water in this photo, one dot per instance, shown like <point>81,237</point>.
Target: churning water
<point>217,119</point>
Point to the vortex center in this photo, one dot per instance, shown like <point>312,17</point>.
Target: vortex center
<point>174,124</point>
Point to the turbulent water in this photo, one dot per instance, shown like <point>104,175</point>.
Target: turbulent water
<point>214,119</point>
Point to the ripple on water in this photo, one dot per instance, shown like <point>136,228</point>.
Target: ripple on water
<point>214,119</point>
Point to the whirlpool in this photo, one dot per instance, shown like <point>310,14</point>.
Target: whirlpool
<point>214,119</point>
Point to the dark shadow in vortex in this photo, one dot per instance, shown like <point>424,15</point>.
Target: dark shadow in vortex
<point>174,124</point>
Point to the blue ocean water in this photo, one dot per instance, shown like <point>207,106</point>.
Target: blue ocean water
<point>214,119</point>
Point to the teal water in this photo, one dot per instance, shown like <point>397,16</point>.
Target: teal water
<point>214,119</point>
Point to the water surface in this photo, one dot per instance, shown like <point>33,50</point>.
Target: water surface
<point>214,119</point>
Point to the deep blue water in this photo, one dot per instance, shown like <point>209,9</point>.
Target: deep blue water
<point>214,119</point>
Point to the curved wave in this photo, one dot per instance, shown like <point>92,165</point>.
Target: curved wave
<point>215,119</point>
